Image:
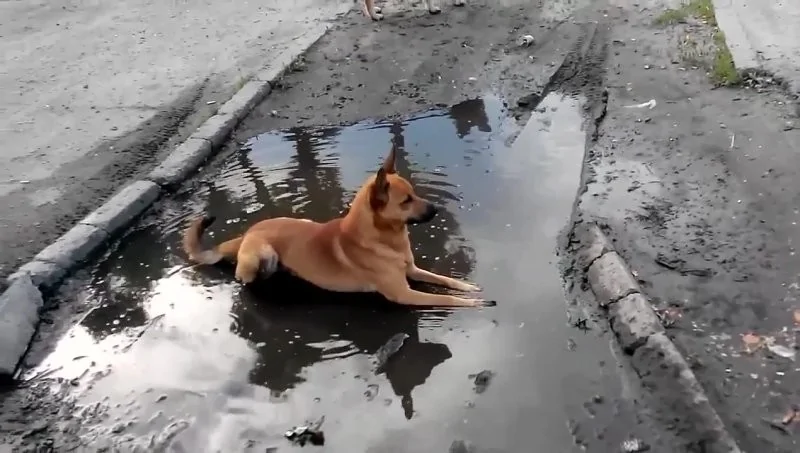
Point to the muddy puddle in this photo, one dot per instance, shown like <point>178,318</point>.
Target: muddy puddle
<point>186,358</point>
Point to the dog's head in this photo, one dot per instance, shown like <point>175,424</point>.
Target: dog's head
<point>393,200</point>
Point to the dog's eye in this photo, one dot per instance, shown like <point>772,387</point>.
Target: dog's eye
<point>408,199</point>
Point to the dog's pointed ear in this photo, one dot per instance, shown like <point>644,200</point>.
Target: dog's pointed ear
<point>379,195</point>
<point>388,163</point>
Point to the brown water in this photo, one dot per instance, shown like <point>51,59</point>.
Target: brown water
<point>187,358</point>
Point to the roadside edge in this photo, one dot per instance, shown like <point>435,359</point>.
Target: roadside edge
<point>19,316</point>
<point>747,58</point>
<point>641,335</point>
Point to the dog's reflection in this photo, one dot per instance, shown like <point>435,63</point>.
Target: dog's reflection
<point>285,316</point>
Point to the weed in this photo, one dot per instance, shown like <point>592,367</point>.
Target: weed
<point>721,68</point>
<point>671,16</point>
<point>723,71</point>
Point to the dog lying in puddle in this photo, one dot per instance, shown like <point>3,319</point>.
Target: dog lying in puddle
<point>367,250</point>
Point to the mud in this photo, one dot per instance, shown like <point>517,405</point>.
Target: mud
<point>698,191</point>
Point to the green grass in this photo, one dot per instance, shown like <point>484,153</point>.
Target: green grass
<point>723,71</point>
<point>241,81</point>
<point>702,9</point>
<point>721,67</point>
<point>671,16</point>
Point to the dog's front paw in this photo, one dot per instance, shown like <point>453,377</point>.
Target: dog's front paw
<point>459,2</point>
<point>466,287</point>
<point>244,279</point>
<point>482,303</point>
<point>434,10</point>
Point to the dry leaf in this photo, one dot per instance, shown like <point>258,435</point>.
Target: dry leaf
<point>789,416</point>
<point>751,342</point>
<point>783,351</point>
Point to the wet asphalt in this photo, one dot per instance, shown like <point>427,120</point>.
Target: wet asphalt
<point>187,356</point>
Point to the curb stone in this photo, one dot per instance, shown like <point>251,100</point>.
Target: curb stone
<point>216,129</point>
<point>19,306</point>
<point>284,61</point>
<point>654,357</point>
<point>73,246</point>
<point>181,163</point>
<point>43,275</point>
<point>20,303</point>
<point>610,279</point>
<point>122,208</point>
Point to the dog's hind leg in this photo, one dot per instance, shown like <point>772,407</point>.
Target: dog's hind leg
<point>459,2</point>
<point>256,258</point>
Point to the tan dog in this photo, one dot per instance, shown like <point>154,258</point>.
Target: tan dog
<point>374,12</point>
<point>367,250</point>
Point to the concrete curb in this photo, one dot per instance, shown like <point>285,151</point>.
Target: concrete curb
<point>654,357</point>
<point>21,302</point>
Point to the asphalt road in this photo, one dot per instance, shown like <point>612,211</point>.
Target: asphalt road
<point>139,354</point>
<point>95,93</point>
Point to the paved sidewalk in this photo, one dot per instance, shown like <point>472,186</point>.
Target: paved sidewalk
<point>92,93</point>
<point>763,35</point>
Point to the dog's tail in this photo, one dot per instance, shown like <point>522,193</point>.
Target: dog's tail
<point>193,247</point>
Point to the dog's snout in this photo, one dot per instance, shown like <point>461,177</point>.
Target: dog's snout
<point>429,213</point>
<point>431,210</point>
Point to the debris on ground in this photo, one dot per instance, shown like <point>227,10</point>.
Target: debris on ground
<point>797,316</point>
<point>572,344</point>
<point>312,434</point>
<point>460,446</point>
<point>530,100</point>
<point>525,40</point>
<point>668,316</point>
<point>679,265</point>
<point>371,392</point>
<point>481,380</point>
<point>581,324</point>
<point>651,104</point>
<point>634,445</point>
<point>389,349</point>
<point>780,350</point>
<point>791,415</point>
<point>752,342</point>
<point>785,423</point>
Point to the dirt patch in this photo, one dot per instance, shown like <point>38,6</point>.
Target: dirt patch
<point>695,184</point>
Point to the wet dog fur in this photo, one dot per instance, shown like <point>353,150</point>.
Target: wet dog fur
<point>374,12</point>
<point>367,250</point>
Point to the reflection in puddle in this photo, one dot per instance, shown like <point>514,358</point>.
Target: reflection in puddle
<point>249,364</point>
